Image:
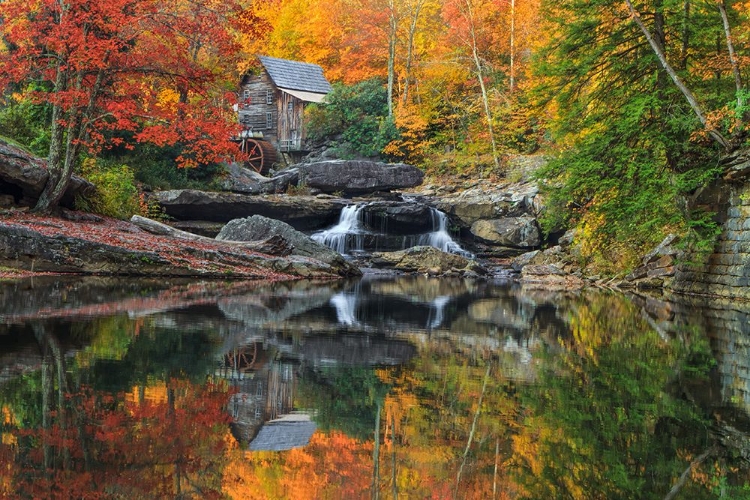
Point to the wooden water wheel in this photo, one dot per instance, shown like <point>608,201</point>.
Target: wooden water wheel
<point>261,154</point>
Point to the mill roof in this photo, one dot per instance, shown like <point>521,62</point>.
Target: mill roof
<point>295,75</point>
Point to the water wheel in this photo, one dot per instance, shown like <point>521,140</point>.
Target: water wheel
<point>261,154</point>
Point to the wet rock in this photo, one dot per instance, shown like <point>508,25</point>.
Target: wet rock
<point>428,260</point>
<point>259,228</point>
<point>398,218</point>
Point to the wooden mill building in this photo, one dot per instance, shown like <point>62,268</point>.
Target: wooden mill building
<point>271,108</point>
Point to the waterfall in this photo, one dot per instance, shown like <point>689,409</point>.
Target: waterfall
<point>440,238</point>
<point>347,234</point>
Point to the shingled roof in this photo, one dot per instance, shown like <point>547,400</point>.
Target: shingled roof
<point>295,75</point>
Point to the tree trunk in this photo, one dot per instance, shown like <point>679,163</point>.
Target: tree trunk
<point>375,494</point>
<point>410,49</point>
<point>512,45</point>
<point>692,101</point>
<point>392,35</point>
<point>473,429</point>
<point>732,54</point>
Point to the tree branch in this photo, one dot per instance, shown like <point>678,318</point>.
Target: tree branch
<point>715,134</point>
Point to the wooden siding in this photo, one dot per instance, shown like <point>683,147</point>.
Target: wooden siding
<point>254,108</point>
<point>280,121</point>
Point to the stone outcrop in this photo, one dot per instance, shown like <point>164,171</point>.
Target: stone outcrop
<point>301,212</point>
<point>23,177</point>
<point>398,218</point>
<point>517,232</point>
<point>259,228</point>
<point>24,248</point>
<point>657,267</point>
<point>726,271</point>
<point>428,260</point>
<point>549,277</point>
<point>352,177</point>
<point>239,179</point>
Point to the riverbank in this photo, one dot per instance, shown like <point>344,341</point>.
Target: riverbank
<point>81,243</point>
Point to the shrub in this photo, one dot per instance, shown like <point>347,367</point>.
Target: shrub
<point>116,192</point>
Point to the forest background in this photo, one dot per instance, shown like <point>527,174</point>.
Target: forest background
<point>635,105</point>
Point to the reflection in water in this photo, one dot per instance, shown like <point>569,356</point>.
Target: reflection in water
<point>474,389</point>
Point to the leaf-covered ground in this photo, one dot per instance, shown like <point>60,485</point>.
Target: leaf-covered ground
<point>202,257</point>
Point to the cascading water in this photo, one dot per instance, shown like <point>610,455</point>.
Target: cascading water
<point>440,238</point>
<point>349,235</point>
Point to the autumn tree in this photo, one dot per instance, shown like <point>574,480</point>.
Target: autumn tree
<point>109,67</point>
<point>636,146</point>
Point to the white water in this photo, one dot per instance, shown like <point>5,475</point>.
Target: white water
<point>440,238</point>
<point>348,235</point>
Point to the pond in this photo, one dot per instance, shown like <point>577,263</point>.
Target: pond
<point>383,387</point>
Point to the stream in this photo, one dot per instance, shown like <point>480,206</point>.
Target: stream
<point>404,386</point>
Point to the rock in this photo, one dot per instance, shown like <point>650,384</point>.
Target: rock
<point>352,177</point>
<point>239,179</point>
<point>520,232</point>
<point>549,277</point>
<point>301,212</point>
<point>398,218</point>
<point>23,176</point>
<point>259,228</point>
<point>427,260</point>
<point>524,259</point>
<point>23,247</point>
<point>662,249</point>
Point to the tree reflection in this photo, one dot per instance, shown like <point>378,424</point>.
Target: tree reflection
<point>606,419</point>
<point>87,443</point>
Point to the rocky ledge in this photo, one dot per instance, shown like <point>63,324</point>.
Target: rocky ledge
<point>91,245</point>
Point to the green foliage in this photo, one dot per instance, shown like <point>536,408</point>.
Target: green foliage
<point>355,115</point>
<point>633,155</point>
<point>26,123</point>
<point>155,167</point>
<point>116,192</point>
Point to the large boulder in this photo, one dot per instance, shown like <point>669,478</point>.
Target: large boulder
<point>23,177</point>
<point>428,260</point>
<point>518,232</point>
<point>352,177</point>
<point>398,218</point>
<point>258,228</point>
<point>301,212</point>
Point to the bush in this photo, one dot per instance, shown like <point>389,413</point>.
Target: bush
<point>356,115</point>
<point>116,192</point>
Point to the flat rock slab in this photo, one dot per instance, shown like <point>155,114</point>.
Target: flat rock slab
<point>352,177</point>
<point>301,212</point>
<point>428,260</point>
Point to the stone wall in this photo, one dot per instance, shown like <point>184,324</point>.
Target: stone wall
<point>726,272</point>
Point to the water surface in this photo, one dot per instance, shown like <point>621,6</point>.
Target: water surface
<point>376,388</point>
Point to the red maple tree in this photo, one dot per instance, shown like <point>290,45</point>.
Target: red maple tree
<point>159,69</point>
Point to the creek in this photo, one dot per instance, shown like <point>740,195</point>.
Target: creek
<point>413,386</point>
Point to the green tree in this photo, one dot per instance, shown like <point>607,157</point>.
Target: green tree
<point>358,114</point>
<point>634,148</point>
